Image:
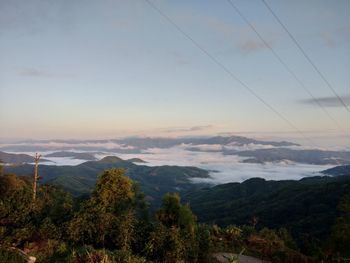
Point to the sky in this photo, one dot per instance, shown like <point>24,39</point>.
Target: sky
<point>111,68</point>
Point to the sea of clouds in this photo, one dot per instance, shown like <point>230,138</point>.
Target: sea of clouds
<point>227,168</point>
<point>223,168</point>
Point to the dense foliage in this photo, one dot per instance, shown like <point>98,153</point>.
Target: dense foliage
<point>307,208</point>
<point>113,224</point>
<point>81,179</point>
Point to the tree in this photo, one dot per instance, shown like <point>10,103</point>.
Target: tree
<point>174,239</point>
<point>173,213</point>
<point>107,218</point>
<point>15,211</point>
<point>1,168</point>
<point>22,224</point>
<point>340,236</point>
<point>166,245</point>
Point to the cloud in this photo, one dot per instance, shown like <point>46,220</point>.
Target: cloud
<point>220,26</point>
<point>329,101</point>
<point>337,36</point>
<point>179,58</point>
<point>242,36</point>
<point>122,23</point>
<point>328,39</point>
<point>34,72</point>
<point>223,168</point>
<point>80,146</point>
<point>190,129</point>
<point>200,128</point>
<point>250,45</point>
<point>37,17</point>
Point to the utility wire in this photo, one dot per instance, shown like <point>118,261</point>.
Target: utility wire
<point>169,20</point>
<point>224,68</point>
<point>306,56</point>
<point>284,64</point>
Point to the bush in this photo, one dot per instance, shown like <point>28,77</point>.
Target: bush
<point>10,256</point>
<point>88,254</point>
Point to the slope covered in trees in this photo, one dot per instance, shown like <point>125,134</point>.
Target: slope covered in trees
<point>338,170</point>
<point>80,179</point>
<point>12,158</point>
<point>114,225</point>
<point>306,208</point>
<point>75,155</point>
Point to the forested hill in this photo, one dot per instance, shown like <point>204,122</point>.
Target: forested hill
<point>113,225</point>
<point>80,179</point>
<point>13,158</point>
<point>338,170</point>
<point>306,208</point>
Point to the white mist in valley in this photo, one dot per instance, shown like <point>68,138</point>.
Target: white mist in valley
<point>223,168</point>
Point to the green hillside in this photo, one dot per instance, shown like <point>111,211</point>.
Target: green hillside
<point>306,208</point>
<point>80,179</point>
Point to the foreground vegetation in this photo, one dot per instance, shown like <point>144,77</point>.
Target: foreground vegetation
<point>81,179</point>
<point>114,225</point>
<point>308,208</point>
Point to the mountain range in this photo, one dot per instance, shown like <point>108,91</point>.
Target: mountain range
<point>320,157</point>
<point>14,158</point>
<point>307,207</point>
<point>251,150</point>
<point>73,155</point>
<point>338,170</point>
<point>132,144</point>
<point>80,179</point>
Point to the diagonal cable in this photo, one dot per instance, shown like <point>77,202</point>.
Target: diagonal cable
<point>225,69</point>
<point>284,64</point>
<point>303,52</point>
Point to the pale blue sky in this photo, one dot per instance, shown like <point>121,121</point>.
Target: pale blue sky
<point>113,68</point>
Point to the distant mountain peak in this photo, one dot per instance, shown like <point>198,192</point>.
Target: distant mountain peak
<point>74,155</point>
<point>136,160</point>
<point>111,159</point>
<point>13,158</point>
<point>338,170</point>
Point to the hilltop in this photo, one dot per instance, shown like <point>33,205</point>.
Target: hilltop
<point>80,179</point>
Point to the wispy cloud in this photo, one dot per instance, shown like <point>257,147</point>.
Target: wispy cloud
<point>228,168</point>
<point>333,38</point>
<point>329,101</point>
<point>242,36</point>
<point>180,59</point>
<point>189,129</point>
<point>328,39</point>
<point>34,72</point>
<point>250,45</point>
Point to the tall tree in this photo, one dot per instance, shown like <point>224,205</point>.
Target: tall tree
<point>1,168</point>
<point>174,239</point>
<point>107,218</point>
<point>341,230</point>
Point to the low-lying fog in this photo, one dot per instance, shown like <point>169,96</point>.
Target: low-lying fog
<point>224,168</point>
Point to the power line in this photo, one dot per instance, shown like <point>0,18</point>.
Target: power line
<point>169,20</point>
<point>284,64</point>
<point>306,56</point>
<point>224,68</point>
